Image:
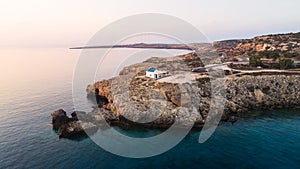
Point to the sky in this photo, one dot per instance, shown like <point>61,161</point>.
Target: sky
<point>67,23</point>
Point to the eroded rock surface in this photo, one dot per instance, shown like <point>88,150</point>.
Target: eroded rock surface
<point>135,96</point>
<point>135,100</point>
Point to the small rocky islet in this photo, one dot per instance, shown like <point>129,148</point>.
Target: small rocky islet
<point>141,101</point>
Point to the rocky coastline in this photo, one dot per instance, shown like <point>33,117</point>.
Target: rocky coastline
<point>210,76</point>
<point>144,102</point>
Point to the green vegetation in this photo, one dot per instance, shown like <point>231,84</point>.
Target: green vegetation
<point>255,61</point>
<point>203,80</point>
<point>151,83</point>
<point>297,37</point>
<point>276,54</point>
<point>273,54</point>
<point>160,85</point>
<point>291,55</point>
<point>286,63</point>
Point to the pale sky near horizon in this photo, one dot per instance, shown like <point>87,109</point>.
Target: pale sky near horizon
<point>58,23</point>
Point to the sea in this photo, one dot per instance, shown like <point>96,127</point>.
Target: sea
<point>35,82</point>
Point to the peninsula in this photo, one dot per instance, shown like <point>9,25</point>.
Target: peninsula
<point>258,74</point>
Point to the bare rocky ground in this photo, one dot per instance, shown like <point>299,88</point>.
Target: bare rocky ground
<point>139,101</point>
<point>187,97</point>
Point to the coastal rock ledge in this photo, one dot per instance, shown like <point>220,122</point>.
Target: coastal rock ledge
<point>134,99</point>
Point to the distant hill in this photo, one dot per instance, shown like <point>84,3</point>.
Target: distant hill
<point>286,45</point>
<point>266,46</point>
<point>141,46</point>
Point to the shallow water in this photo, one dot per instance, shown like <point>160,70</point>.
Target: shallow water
<point>33,85</point>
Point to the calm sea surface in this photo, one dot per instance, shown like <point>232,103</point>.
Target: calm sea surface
<point>34,82</point>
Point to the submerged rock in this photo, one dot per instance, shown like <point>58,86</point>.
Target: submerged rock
<point>75,128</point>
<point>67,127</point>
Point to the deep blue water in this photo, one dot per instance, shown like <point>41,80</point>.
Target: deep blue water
<point>268,139</point>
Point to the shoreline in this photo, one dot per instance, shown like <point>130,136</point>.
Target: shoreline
<point>221,80</point>
<point>244,92</point>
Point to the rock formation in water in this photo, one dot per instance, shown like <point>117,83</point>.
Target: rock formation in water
<point>68,127</point>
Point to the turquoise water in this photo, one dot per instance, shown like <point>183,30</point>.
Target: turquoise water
<point>260,140</point>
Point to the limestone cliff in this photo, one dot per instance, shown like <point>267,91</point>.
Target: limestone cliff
<point>136,100</point>
<point>131,94</point>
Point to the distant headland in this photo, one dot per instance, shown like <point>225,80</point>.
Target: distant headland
<point>141,46</point>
